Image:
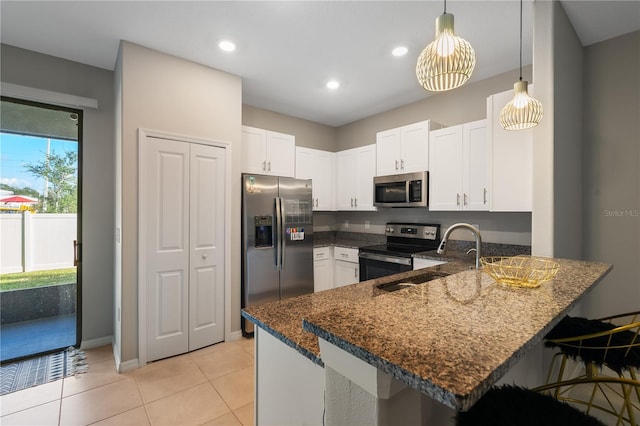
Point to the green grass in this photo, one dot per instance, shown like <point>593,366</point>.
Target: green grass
<point>37,279</point>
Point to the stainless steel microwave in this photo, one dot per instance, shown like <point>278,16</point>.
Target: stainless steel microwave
<point>404,190</point>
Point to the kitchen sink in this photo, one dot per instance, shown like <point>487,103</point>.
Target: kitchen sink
<point>412,281</point>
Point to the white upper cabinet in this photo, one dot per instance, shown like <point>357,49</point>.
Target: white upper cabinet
<point>354,179</point>
<point>320,167</point>
<point>458,167</point>
<point>445,169</point>
<point>475,168</point>
<point>510,160</point>
<point>266,152</point>
<point>404,149</point>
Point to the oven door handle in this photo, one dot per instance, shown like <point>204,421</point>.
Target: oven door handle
<point>386,258</point>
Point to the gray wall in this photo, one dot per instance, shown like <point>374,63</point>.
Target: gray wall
<point>467,103</point>
<point>611,174</point>
<point>308,134</point>
<point>40,71</point>
<point>567,138</point>
<point>182,98</point>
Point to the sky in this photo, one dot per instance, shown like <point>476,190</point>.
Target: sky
<point>18,150</point>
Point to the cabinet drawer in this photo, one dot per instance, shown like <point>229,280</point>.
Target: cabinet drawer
<point>322,253</point>
<point>346,254</point>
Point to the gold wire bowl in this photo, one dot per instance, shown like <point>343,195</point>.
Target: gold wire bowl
<point>520,271</point>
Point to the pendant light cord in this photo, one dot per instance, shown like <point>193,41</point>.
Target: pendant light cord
<point>520,40</point>
<point>445,6</point>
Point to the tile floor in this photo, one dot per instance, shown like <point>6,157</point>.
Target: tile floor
<point>212,386</point>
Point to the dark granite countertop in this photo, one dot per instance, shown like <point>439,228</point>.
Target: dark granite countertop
<point>451,338</point>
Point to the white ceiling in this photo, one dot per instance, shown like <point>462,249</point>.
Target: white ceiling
<point>287,50</point>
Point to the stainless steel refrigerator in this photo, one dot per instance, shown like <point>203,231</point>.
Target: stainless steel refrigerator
<point>277,240</point>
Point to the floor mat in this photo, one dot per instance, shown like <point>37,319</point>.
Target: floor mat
<point>44,369</point>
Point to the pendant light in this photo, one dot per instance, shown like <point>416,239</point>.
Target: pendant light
<point>448,61</point>
<point>523,111</point>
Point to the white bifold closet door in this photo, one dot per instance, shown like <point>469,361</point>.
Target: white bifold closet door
<point>184,201</point>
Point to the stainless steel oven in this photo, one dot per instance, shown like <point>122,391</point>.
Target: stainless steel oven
<point>403,241</point>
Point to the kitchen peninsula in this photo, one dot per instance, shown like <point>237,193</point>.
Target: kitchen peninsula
<point>376,355</point>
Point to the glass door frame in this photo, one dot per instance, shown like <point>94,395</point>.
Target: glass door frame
<point>78,250</point>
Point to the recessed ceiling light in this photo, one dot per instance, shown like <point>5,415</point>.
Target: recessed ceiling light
<point>227,46</point>
<point>399,51</point>
<point>333,84</point>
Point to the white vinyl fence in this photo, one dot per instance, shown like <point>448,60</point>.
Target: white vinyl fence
<point>36,242</point>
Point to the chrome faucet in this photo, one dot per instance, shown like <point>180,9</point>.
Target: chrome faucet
<point>476,234</point>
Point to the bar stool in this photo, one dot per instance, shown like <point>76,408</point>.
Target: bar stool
<point>607,352</point>
<point>516,406</point>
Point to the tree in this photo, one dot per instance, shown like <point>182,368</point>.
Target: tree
<point>29,192</point>
<point>60,171</point>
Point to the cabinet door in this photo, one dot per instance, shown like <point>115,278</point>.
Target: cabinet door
<point>322,275</point>
<point>388,152</point>
<point>254,148</point>
<point>346,164</point>
<point>280,154</point>
<point>510,160</point>
<point>366,170</point>
<point>320,167</point>
<point>414,155</point>
<point>346,273</point>
<point>475,168</point>
<point>445,169</point>
<point>324,185</point>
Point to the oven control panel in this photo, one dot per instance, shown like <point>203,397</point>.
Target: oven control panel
<point>413,230</point>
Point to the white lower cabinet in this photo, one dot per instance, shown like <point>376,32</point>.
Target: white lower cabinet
<point>322,268</point>
<point>346,267</point>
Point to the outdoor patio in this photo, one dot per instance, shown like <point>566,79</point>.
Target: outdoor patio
<point>24,338</point>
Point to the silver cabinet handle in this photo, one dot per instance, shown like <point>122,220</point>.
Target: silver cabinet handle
<point>316,202</point>
<point>485,196</point>
<point>457,199</point>
<point>355,272</point>
<point>396,164</point>
<point>401,164</point>
<point>465,198</point>
<point>356,202</point>
<point>264,166</point>
<point>269,168</point>
<point>352,202</point>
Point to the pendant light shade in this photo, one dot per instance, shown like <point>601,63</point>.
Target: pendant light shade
<point>523,111</point>
<point>448,61</point>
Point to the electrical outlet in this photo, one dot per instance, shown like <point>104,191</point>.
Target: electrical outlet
<point>346,224</point>
<point>367,224</point>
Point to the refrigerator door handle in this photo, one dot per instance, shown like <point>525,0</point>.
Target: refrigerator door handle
<point>283,234</point>
<point>278,251</point>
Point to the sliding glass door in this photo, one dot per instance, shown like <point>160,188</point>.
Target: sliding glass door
<point>40,232</point>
